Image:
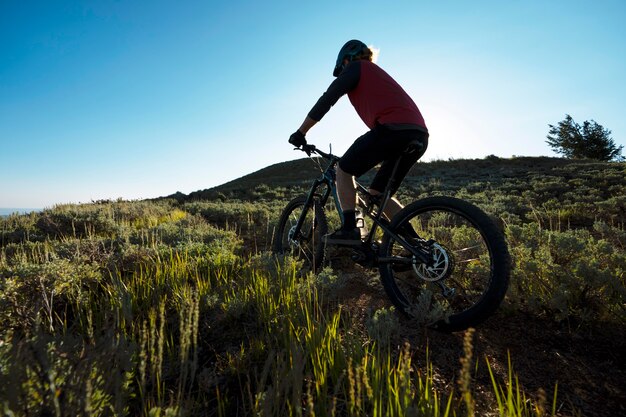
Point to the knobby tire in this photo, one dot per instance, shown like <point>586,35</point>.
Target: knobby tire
<point>310,248</point>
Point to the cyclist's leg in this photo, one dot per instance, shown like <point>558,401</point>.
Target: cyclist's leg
<point>360,157</point>
<point>403,138</point>
<point>392,207</point>
<point>346,190</point>
<point>383,176</point>
<point>378,145</point>
<point>363,155</point>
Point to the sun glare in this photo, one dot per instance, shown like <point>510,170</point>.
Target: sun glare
<point>375,53</point>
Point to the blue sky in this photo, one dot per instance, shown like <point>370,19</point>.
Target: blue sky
<point>140,99</point>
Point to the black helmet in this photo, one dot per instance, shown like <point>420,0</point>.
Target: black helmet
<point>349,50</point>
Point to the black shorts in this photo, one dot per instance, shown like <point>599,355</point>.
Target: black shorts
<point>382,144</point>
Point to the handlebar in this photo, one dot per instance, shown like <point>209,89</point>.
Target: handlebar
<point>310,148</point>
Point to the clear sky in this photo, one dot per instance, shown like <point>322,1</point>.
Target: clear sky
<point>138,99</point>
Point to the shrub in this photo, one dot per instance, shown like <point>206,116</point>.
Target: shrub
<point>77,221</point>
<point>54,291</point>
<point>568,275</point>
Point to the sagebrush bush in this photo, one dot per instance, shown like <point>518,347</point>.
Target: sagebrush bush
<point>51,292</point>
<point>19,228</point>
<point>77,221</point>
<point>567,275</point>
<point>232,213</point>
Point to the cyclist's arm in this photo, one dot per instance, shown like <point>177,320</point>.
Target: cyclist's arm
<point>306,125</point>
<point>345,82</point>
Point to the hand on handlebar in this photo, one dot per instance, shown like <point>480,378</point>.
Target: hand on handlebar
<point>308,149</point>
<point>297,139</point>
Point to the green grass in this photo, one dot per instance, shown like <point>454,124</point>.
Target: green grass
<point>175,307</point>
<point>512,401</point>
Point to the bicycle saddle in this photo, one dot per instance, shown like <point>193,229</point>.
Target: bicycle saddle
<point>414,146</point>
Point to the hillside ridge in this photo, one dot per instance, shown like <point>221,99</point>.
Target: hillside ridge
<point>452,173</point>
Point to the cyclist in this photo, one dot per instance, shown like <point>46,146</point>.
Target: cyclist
<point>394,122</point>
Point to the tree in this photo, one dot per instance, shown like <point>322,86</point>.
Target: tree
<point>590,140</point>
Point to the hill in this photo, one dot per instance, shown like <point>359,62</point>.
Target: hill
<point>546,189</point>
<point>451,174</point>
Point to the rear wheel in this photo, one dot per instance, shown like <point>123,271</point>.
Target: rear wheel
<point>307,245</point>
<point>466,274</point>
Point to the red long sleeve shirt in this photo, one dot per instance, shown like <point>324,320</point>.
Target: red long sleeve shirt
<point>375,95</point>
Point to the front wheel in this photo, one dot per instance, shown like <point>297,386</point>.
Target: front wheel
<point>305,244</point>
<point>465,274</point>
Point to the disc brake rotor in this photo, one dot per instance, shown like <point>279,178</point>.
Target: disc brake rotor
<point>440,268</point>
<point>290,238</point>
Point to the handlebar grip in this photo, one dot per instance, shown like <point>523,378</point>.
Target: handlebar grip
<point>308,149</point>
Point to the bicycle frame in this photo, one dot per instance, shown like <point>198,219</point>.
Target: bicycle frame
<point>328,178</point>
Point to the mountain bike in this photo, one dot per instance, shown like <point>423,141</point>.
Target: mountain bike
<point>442,260</point>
